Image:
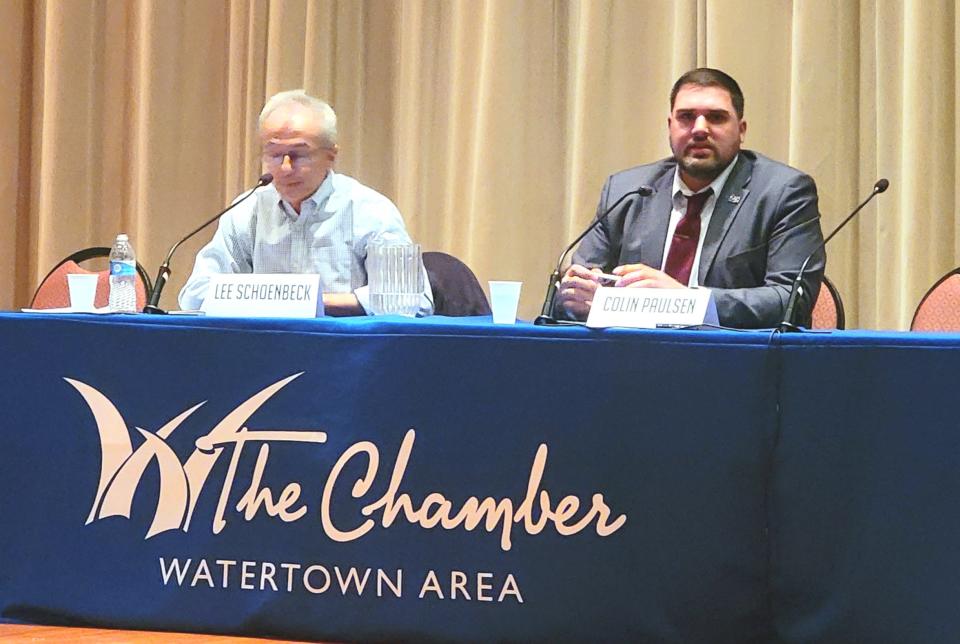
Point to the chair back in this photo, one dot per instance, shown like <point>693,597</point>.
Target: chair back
<point>53,291</point>
<point>828,311</point>
<point>456,290</point>
<point>939,310</point>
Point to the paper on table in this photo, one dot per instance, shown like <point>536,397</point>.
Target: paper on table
<point>105,310</point>
<point>69,309</point>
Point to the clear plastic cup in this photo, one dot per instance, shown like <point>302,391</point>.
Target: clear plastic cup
<point>83,291</point>
<point>504,300</point>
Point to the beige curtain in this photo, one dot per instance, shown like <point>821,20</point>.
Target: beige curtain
<point>492,124</point>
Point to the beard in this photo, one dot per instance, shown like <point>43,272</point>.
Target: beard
<point>703,168</point>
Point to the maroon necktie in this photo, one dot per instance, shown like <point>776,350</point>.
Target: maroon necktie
<point>686,236</point>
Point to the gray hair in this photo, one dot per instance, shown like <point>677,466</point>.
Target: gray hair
<point>328,133</point>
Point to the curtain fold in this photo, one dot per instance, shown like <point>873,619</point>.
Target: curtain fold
<point>491,123</point>
<point>16,57</point>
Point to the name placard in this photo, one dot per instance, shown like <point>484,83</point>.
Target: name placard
<point>649,308</point>
<point>236,295</point>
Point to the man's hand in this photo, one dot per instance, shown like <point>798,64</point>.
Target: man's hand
<point>576,290</point>
<point>341,304</point>
<point>643,276</point>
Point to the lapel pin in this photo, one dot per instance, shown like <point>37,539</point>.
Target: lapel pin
<point>734,198</point>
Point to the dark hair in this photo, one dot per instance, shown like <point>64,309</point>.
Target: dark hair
<point>707,77</point>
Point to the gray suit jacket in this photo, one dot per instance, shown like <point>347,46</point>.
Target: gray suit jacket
<point>765,223</point>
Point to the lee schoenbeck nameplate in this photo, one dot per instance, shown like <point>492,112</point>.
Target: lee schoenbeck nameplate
<point>264,296</point>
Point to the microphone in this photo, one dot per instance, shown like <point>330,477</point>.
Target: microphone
<point>153,305</point>
<point>796,290</point>
<point>546,312</point>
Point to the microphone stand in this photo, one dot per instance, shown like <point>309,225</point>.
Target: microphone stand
<point>546,311</point>
<point>796,289</point>
<point>153,305</point>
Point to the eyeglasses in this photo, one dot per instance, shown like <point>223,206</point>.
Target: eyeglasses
<point>297,159</point>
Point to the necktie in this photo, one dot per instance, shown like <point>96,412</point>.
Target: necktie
<point>686,237</point>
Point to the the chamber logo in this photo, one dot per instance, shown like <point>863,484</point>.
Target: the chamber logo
<point>181,482</point>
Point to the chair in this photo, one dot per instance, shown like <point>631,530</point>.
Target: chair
<point>939,310</point>
<point>53,291</point>
<point>828,311</point>
<point>456,290</point>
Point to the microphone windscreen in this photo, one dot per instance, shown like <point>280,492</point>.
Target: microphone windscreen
<point>881,185</point>
<point>265,179</point>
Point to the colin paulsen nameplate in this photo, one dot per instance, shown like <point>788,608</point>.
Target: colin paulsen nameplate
<point>649,308</point>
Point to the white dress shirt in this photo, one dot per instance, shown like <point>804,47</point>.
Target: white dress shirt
<point>329,237</point>
<point>680,194</point>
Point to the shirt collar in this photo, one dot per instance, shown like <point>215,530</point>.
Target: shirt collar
<point>679,187</point>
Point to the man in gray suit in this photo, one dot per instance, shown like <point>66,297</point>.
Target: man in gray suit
<point>719,217</point>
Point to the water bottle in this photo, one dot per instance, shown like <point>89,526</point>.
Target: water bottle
<point>394,274</point>
<point>123,276</point>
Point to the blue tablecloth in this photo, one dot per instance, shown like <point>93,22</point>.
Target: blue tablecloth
<point>449,479</point>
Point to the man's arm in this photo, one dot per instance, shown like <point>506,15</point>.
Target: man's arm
<point>795,234</point>
<point>227,252</point>
<point>342,304</point>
